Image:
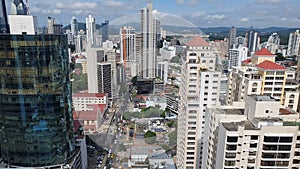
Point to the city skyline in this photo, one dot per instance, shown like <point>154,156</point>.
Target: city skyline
<point>208,13</point>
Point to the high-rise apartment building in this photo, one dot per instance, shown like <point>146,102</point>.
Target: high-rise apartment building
<point>260,135</point>
<point>294,44</point>
<point>51,22</point>
<point>74,30</point>
<point>74,26</point>
<point>96,56</point>
<point>90,30</point>
<point>18,7</point>
<point>35,98</point>
<point>148,56</point>
<point>262,76</point>
<point>273,43</point>
<point>199,88</point>
<point>128,50</point>
<point>232,37</point>
<point>237,55</point>
<point>128,44</point>
<point>253,41</point>
<point>105,79</point>
<point>105,31</point>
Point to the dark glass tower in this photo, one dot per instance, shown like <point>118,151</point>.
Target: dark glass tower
<point>36,126</point>
<point>3,18</point>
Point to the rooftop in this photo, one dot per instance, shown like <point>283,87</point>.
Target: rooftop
<point>268,65</point>
<point>197,41</point>
<point>262,98</point>
<point>89,95</point>
<point>263,52</point>
<point>235,125</point>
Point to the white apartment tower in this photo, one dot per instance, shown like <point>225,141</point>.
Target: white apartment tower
<point>74,26</point>
<point>260,135</point>
<point>199,89</point>
<point>148,55</point>
<point>90,30</point>
<point>237,55</point>
<point>232,37</point>
<point>294,44</point>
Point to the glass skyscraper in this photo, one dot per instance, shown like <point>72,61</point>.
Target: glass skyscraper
<point>36,126</point>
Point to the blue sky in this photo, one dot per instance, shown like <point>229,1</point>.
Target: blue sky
<point>203,13</point>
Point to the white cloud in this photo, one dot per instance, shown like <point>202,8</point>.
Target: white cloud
<point>244,19</point>
<point>215,17</point>
<point>113,3</point>
<point>77,5</point>
<point>198,14</point>
<point>283,19</point>
<point>268,1</point>
<point>188,2</point>
<point>56,11</point>
<point>37,10</point>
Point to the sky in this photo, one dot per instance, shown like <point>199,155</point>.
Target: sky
<point>201,13</point>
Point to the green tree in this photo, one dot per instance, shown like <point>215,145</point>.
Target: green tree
<point>134,80</point>
<point>279,57</point>
<point>150,137</point>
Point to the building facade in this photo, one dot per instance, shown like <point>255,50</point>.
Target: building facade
<point>261,76</point>
<point>294,44</point>
<point>148,59</point>
<point>200,86</point>
<point>36,114</point>
<point>260,135</point>
<point>237,55</point>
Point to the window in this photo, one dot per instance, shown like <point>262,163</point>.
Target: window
<point>211,61</point>
<point>253,145</point>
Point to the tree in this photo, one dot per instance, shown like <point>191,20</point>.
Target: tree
<point>134,80</point>
<point>279,57</point>
<point>150,137</point>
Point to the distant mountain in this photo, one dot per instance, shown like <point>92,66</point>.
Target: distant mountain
<point>214,32</point>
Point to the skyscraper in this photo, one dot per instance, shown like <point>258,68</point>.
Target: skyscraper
<point>105,79</point>
<point>253,40</point>
<point>3,18</point>
<point>36,124</point>
<point>237,55</point>
<point>232,36</point>
<point>128,50</point>
<point>105,31</point>
<point>200,88</point>
<point>74,26</point>
<point>35,99</point>
<point>18,7</point>
<point>90,30</point>
<point>74,30</point>
<point>294,44</point>
<point>148,57</point>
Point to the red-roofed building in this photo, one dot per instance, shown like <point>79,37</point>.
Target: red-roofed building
<point>268,65</point>
<point>88,101</point>
<point>89,120</point>
<point>200,51</point>
<point>197,41</point>
<point>246,62</point>
<point>262,55</point>
<point>265,78</point>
